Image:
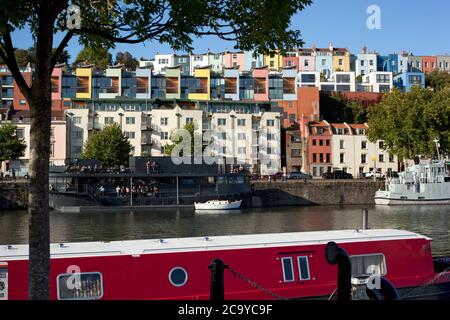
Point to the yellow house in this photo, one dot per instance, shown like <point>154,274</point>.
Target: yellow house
<point>341,60</point>
<point>273,60</point>
<point>84,82</point>
<point>203,89</point>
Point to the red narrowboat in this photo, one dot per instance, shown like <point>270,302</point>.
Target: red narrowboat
<point>260,266</point>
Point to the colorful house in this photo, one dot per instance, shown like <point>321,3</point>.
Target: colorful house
<point>202,89</point>
<point>405,81</point>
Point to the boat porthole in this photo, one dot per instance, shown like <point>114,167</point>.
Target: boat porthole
<point>178,276</point>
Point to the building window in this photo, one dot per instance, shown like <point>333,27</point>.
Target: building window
<point>306,63</point>
<point>130,120</point>
<point>178,277</point>
<point>271,136</point>
<point>129,134</point>
<point>361,132</point>
<point>342,158</point>
<point>391,158</point>
<point>314,142</point>
<point>321,157</point>
<point>22,102</point>
<point>79,134</point>
<point>328,160</point>
<point>363,158</point>
<point>241,136</point>
<point>340,131</point>
<point>242,150</point>
<point>91,286</point>
<point>77,120</point>
<point>189,120</point>
<point>270,150</point>
<point>221,122</point>
<point>363,144</point>
<point>362,265</point>
<point>381,144</point>
<point>296,153</point>
<point>314,157</point>
<point>20,133</point>
<point>341,144</point>
<point>164,135</point>
<point>272,64</point>
<point>164,121</point>
<point>320,142</point>
<point>270,123</point>
<point>327,143</point>
<point>303,268</point>
<point>324,62</point>
<point>341,62</point>
<point>381,158</point>
<point>362,63</point>
<point>241,122</point>
<point>288,269</point>
<point>109,120</point>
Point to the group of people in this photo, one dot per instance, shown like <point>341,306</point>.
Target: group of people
<point>140,189</point>
<point>96,169</point>
<point>151,166</point>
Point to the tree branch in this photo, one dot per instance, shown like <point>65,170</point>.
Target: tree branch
<point>60,48</point>
<point>10,60</point>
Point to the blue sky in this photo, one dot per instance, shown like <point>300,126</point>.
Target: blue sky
<point>421,27</point>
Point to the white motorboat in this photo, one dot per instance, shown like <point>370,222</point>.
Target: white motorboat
<point>218,205</point>
<point>424,183</point>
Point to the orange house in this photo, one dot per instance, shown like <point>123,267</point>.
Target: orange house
<point>429,63</point>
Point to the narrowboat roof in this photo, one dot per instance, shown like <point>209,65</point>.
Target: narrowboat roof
<point>137,247</point>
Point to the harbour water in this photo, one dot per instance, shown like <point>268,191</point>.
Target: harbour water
<point>432,221</point>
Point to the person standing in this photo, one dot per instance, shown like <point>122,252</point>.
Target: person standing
<point>118,191</point>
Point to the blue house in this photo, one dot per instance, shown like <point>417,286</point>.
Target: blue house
<point>388,63</point>
<point>404,81</point>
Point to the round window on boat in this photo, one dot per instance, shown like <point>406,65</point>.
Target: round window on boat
<point>178,276</point>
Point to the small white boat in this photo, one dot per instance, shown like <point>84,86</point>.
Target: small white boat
<point>218,205</point>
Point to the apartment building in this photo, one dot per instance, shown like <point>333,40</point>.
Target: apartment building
<point>365,62</point>
<point>376,81</point>
<point>352,152</point>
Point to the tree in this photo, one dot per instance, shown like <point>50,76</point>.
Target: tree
<point>189,127</point>
<point>128,61</point>
<point>438,80</point>
<point>11,147</point>
<point>100,57</point>
<point>253,24</point>
<point>109,146</point>
<point>25,56</point>
<point>410,122</point>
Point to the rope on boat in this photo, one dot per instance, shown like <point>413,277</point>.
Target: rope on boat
<point>428,282</point>
<point>255,285</point>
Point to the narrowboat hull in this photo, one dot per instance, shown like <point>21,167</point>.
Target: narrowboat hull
<point>289,265</point>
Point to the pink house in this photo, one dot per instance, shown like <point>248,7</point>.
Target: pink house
<point>57,83</point>
<point>234,59</point>
<point>306,60</point>
<point>261,84</point>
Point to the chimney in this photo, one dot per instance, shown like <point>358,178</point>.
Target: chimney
<point>364,50</point>
<point>330,46</point>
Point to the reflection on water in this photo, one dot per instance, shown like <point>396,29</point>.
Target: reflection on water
<point>432,221</point>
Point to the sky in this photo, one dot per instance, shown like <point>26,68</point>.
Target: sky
<point>416,26</point>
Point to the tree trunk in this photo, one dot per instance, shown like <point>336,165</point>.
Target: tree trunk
<point>40,107</point>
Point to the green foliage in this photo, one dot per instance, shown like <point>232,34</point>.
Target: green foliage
<point>438,80</point>
<point>25,56</point>
<point>335,107</point>
<point>128,61</point>
<point>11,147</point>
<point>100,57</point>
<point>190,127</point>
<point>409,122</point>
<point>109,146</point>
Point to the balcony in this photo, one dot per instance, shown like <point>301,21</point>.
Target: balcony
<point>146,140</point>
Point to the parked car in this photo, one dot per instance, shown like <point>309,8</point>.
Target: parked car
<point>298,175</point>
<point>372,174</point>
<point>337,174</point>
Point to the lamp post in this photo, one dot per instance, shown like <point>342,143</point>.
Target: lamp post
<point>374,159</point>
<point>69,116</point>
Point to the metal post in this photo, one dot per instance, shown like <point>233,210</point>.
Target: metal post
<point>217,291</point>
<point>178,194</point>
<point>131,191</point>
<point>336,255</point>
<point>365,221</point>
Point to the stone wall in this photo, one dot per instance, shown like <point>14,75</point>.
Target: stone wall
<point>13,195</point>
<point>315,192</point>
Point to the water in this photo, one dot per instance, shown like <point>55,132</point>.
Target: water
<point>432,221</point>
